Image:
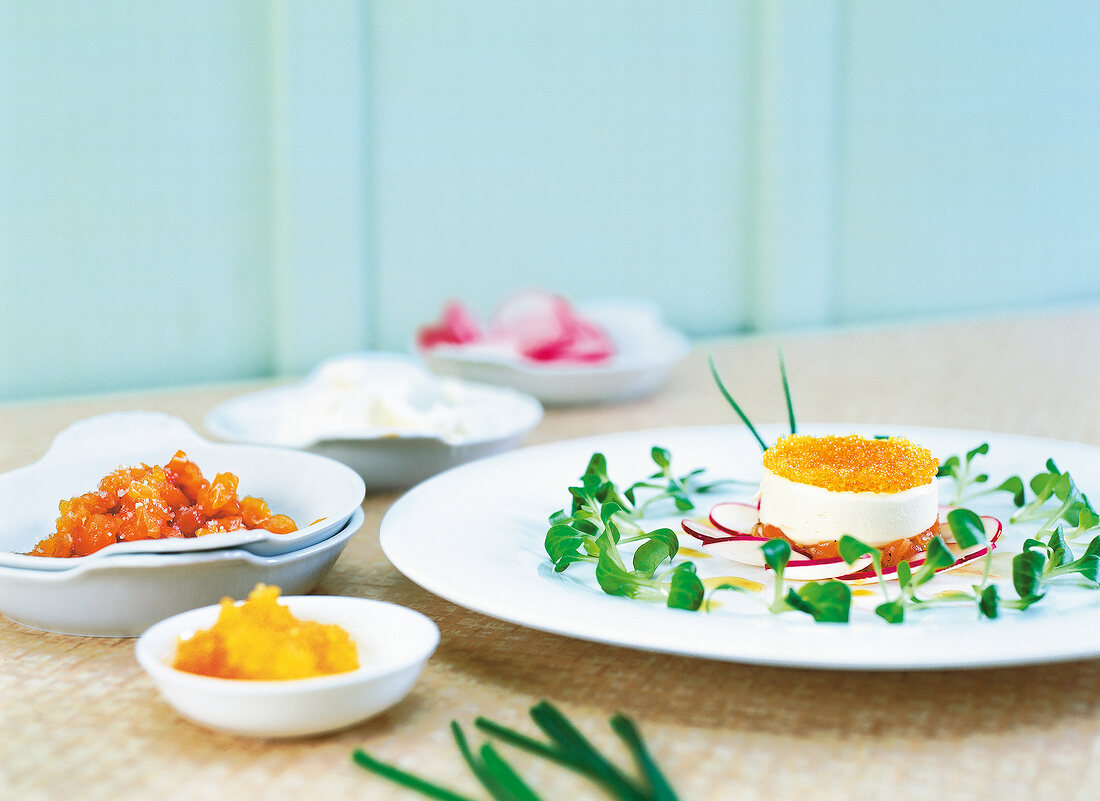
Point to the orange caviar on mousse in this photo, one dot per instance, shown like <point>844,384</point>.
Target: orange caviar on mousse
<point>852,463</point>
<point>880,491</point>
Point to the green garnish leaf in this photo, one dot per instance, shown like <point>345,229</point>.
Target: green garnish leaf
<point>982,449</point>
<point>851,550</point>
<point>569,559</point>
<point>905,574</point>
<point>1015,485</point>
<point>562,540</point>
<point>611,575</point>
<point>988,601</point>
<point>661,544</point>
<point>892,611</point>
<point>685,591</point>
<point>776,554</point>
<point>828,601</point>
<point>966,527</point>
<point>1027,570</point>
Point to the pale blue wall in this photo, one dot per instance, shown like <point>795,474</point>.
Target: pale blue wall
<point>204,191</point>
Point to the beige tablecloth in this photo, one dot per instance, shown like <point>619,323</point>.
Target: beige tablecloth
<point>80,720</point>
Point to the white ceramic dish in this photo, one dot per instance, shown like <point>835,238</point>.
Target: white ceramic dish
<point>439,425</point>
<point>122,595</point>
<point>304,486</point>
<point>497,564</point>
<point>647,351</point>
<point>393,642</point>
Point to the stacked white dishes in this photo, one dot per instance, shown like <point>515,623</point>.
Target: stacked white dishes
<point>122,589</point>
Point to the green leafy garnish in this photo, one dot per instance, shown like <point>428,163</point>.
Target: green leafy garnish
<point>567,747</point>
<point>959,471</point>
<point>826,602</point>
<point>1072,505</point>
<point>602,519</point>
<point>669,486</point>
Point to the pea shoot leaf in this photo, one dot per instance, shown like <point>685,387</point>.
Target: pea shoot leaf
<point>1027,570</point>
<point>966,527</point>
<point>826,601</point>
<point>892,611</point>
<point>685,590</point>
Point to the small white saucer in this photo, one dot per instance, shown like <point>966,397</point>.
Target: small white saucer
<point>394,643</point>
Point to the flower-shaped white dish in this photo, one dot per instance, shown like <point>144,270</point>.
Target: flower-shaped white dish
<point>383,415</point>
<point>393,642</point>
<point>646,351</point>
<point>319,494</point>
<point>120,596</point>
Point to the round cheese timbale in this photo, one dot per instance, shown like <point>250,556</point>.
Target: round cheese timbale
<point>816,489</point>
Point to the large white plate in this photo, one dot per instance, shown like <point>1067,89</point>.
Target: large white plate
<point>474,536</point>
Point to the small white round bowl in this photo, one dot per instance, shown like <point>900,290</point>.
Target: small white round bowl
<point>394,643</point>
<point>646,352</point>
<point>122,595</point>
<point>386,457</point>
<point>319,494</point>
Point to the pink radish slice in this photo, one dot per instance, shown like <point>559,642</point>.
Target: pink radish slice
<point>737,548</point>
<point>543,327</point>
<point>745,548</point>
<point>457,327</point>
<point>735,518</point>
<point>817,569</point>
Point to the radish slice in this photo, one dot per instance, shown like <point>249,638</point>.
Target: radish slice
<point>744,550</point>
<point>735,518</point>
<point>543,327</point>
<point>457,327</point>
<point>724,537</point>
<point>817,569</point>
<point>536,326</point>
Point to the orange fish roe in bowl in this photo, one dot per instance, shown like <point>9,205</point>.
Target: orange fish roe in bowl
<point>154,502</point>
<point>261,640</point>
<point>852,463</point>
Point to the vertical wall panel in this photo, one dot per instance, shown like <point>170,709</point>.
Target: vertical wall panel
<point>591,148</point>
<point>794,215</point>
<point>133,195</point>
<point>319,181</point>
<point>970,165</point>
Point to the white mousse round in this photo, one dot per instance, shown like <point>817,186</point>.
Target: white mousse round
<point>810,515</point>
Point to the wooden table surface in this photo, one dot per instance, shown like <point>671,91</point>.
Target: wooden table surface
<point>80,720</point>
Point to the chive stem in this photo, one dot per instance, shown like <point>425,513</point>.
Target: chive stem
<point>787,391</point>
<point>394,774</point>
<point>733,403</point>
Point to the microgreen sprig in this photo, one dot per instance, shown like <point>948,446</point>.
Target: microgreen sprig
<point>958,469</point>
<point>566,747</point>
<point>827,602</point>
<point>669,486</point>
<point>1054,485</point>
<point>601,519</point>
